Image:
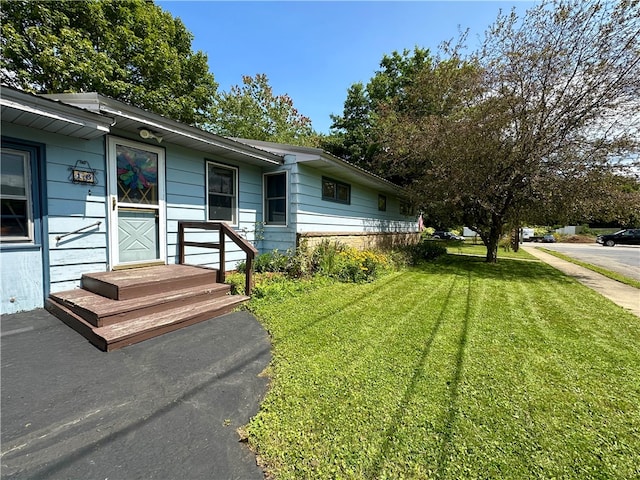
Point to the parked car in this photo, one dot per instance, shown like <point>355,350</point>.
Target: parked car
<point>442,235</point>
<point>549,238</point>
<point>629,236</point>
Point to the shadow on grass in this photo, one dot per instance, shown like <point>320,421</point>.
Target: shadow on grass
<point>452,414</point>
<point>418,374</point>
<point>505,269</point>
<point>388,283</point>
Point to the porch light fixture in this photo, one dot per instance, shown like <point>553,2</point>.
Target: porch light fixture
<point>146,134</point>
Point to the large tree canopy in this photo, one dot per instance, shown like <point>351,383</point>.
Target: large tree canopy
<point>353,134</point>
<point>129,50</point>
<point>253,111</point>
<point>540,122</point>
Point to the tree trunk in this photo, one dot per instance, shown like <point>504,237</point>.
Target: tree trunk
<point>516,240</point>
<point>491,242</point>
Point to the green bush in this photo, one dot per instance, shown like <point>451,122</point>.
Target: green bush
<point>354,265</point>
<point>274,262</point>
<point>426,250</point>
<point>325,257</point>
<point>237,282</point>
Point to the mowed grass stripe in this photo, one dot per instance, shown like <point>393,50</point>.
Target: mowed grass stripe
<point>456,370</point>
<point>360,385</point>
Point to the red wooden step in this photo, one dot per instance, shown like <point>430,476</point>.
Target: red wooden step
<point>100,311</point>
<point>143,327</point>
<point>139,282</point>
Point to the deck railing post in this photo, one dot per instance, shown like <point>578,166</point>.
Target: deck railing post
<point>248,275</point>
<point>224,231</point>
<point>221,272</point>
<point>180,243</point>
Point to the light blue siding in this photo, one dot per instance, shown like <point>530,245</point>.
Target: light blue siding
<point>309,213</point>
<point>186,200</point>
<point>72,207</point>
<point>68,207</point>
<point>20,278</point>
<point>313,214</point>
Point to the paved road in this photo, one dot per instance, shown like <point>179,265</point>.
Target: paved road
<point>623,259</point>
<point>166,408</point>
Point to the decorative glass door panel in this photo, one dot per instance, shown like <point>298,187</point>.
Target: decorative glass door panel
<point>136,187</point>
<point>137,175</point>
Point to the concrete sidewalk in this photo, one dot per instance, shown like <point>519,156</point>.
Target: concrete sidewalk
<point>624,295</point>
<point>166,408</point>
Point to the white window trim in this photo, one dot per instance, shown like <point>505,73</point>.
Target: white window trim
<point>264,200</point>
<point>236,211</point>
<point>26,159</point>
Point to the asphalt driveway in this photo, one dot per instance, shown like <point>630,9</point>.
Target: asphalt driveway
<point>166,408</point>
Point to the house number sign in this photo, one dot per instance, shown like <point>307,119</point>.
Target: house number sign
<point>82,172</point>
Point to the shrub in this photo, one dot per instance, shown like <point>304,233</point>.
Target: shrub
<point>237,282</point>
<point>274,262</point>
<point>426,250</point>
<point>578,239</point>
<point>505,243</point>
<point>300,262</point>
<point>280,286</point>
<point>325,256</point>
<point>328,259</point>
<point>354,265</point>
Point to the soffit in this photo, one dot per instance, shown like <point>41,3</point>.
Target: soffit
<point>132,119</point>
<point>28,110</point>
<point>330,165</point>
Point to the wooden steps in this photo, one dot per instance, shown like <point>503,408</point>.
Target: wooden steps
<point>120,308</point>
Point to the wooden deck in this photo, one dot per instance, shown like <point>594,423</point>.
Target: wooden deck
<point>120,308</point>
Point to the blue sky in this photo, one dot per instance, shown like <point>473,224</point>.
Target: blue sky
<point>314,51</point>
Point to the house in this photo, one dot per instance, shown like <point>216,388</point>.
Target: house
<point>91,184</point>
<point>315,196</point>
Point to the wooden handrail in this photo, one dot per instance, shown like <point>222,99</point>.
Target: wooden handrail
<point>224,231</point>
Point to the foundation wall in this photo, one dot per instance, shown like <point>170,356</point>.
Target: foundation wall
<point>364,241</point>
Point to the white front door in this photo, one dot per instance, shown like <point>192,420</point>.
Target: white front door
<point>137,233</point>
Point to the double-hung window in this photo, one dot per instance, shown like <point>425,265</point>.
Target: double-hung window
<point>275,198</point>
<point>16,223</point>
<point>222,193</point>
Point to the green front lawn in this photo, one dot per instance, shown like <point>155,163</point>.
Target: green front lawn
<point>458,369</point>
<point>467,248</point>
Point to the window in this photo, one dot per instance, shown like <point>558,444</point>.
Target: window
<point>222,196</point>
<point>382,203</point>
<point>15,196</point>
<point>406,209</point>
<point>275,198</point>
<point>335,191</point>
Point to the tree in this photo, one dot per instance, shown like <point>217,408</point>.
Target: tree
<point>351,138</point>
<point>541,117</point>
<point>128,50</point>
<point>253,111</point>
<point>353,134</point>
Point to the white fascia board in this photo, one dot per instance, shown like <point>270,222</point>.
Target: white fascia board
<point>193,133</point>
<point>53,111</point>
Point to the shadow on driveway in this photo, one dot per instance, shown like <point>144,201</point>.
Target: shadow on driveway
<point>165,408</point>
